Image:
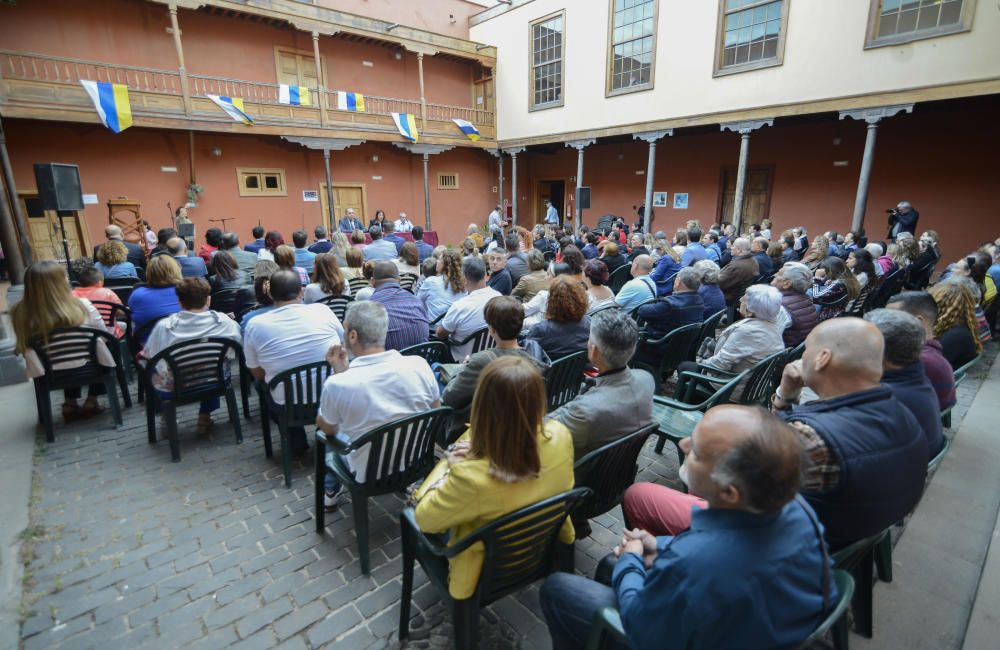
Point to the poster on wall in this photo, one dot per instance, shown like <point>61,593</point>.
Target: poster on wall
<point>310,196</point>
<point>660,199</point>
<point>680,201</point>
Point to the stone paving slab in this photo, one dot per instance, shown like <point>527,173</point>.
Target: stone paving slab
<point>214,551</point>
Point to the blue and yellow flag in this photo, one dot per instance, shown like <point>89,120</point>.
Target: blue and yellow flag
<point>294,95</point>
<point>407,125</point>
<point>111,102</point>
<point>467,128</point>
<point>354,102</point>
<point>233,106</point>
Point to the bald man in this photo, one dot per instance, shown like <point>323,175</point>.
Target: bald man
<point>135,254</point>
<point>868,453</point>
<point>641,288</point>
<point>752,571</point>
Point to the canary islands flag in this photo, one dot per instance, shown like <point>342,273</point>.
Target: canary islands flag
<point>294,95</point>
<point>111,102</point>
<point>233,106</point>
<point>467,128</point>
<point>354,102</point>
<point>407,125</point>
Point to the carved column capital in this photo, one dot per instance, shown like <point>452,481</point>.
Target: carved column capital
<point>652,136</point>
<point>513,151</point>
<point>746,127</point>
<point>425,149</point>
<point>873,114</point>
<point>580,145</point>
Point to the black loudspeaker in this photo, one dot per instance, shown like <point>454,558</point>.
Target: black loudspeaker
<point>59,186</point>
<point>583,198</point>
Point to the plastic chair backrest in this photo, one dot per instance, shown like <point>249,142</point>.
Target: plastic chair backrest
<point>760,382</point>
<point>141,334</point>
<point>338,305</point>
<point>480,339</point>
<point>402,451</point>
<point>890,286</point>
<point>303,388</point>
<point>563,379</point>
<point>707,329</point>
<point>675,347</point>
<point>357,284</point>
<point>432,351</point>
<point>226,301</point>
<point>849,556</point>
<point>199,366</point>
<point>934,462</point>
<point>620,276</point>
<point>407,281</point>
<point>602,308</point>
<point>520,547</point>
<point>609,471</point>
<point>114,315</point>
<point>74,351</point>
<point>845,591</point>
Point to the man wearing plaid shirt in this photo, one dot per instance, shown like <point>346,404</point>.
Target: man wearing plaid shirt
<point>408,322</point>
<point>868,455</point>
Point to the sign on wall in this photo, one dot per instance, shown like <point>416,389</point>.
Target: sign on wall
<point>310,196</point>
<point>680,201</point>
<point>660,199</point>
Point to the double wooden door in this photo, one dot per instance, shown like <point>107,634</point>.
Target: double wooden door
<point>756,195</point>
<point>45,231</point>
<point>345,195</point>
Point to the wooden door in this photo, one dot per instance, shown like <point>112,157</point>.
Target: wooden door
<point>482,89</point>
<point>45,231</point>
<point>345,195</point>
<point>543,194</point>
<point>298,69</point>
<point>756,195</point>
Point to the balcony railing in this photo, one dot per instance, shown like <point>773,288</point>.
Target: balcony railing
<point>63,71</point>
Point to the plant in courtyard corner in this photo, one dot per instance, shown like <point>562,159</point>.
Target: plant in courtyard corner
<point>193,191</point>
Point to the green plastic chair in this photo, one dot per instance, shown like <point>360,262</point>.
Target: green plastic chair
<point>677,417</point>
<point>760,382</point>
<point>960,375</point>
<point>707,329</point>
<point>607,631</point>
<point>431,351</point>
<point>399,453</point>
<point>858,559</point>
<point>620,277</point>
<point>518,549</point>
<point>564,378</point>
<point>303,388</point>
<point>608,471</point>
<point>673,350</point>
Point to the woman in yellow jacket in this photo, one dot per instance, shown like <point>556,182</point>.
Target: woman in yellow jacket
<point>508,459</point>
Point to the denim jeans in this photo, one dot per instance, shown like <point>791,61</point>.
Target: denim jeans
<point>569,603</point>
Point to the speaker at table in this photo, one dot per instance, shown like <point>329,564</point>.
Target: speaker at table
<point>59,186</point>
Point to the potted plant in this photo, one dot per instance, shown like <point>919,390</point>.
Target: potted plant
<point>193,191</point>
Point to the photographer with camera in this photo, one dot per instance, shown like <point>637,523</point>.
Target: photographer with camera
<point>902,218</point>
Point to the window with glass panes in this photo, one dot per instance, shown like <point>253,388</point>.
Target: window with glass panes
<point>751,30</point>
<point>906,16</point>
<point>547,61</point>
<point>632,44</point>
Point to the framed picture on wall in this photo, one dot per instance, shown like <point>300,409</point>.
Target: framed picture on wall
<point>659,199</point>
<point>680,201</point>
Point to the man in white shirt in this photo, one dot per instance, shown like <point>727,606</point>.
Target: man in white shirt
<point>355,400</point>
<point>403,224</point>
<point>466,315</point>
<point>495,221</point>
<point>290,335</point>
<point>379,249</point>
<point>640,288</point>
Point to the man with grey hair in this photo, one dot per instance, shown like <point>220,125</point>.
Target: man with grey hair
<point>902,219</point>
<point>245,260</point>
<point>135,253</point>
<point>741,272</point>
<point>903,371</point>
<point>798,314</point>
<point>191,266</point>
<point>621,401</point>
<point>682,307</point>
<point>379,249</point>
<point>641,288</point>
<point>354,399</point>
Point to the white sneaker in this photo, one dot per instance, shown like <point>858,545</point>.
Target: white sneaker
<point>331,500</point>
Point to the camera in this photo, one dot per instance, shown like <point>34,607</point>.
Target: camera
<point>892,211</point>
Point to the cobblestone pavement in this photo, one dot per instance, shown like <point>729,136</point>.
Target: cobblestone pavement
<point>130,550</point>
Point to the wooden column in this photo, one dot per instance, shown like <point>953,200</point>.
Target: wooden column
<point>194,177</point>
<point>423,99</point>
<point>651,137</point>
<point>15,204</point>
<point>320,86</point>
<point>744,129</point>
<point>176,31</point>
<point>8,239</point>
<point>513,182</point>
<point>579,145</point>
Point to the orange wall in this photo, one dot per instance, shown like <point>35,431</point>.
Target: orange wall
<point>129,164</point>
<point>942,158</point>
<point>132,32</point>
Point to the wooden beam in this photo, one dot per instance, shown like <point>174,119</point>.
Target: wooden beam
<point>176,31</point>
<point>320,86</point>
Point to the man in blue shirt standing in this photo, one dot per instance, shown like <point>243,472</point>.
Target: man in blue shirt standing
<point>694,252</point>
<point>551,215</point>
<point>752,571</point>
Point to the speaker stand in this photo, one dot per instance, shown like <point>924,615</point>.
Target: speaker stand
<point>65,242</point>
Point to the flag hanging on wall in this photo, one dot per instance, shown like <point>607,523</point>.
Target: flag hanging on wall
<point>233,106</point>
<point>111,102</point>
<point>467,128</point>
<point>407,125</point>
<point>354,102</point>
<point>294,95</point>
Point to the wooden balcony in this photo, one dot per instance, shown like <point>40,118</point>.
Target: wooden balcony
<point>38,86</point>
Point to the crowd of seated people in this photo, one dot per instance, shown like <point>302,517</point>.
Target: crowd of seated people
<point>808,477</point>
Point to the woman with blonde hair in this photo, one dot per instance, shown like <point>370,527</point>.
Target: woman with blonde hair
<point>327,280</point>
<point>817,252</point>
<point>355,261</point>
<point>439,291</point>
<point>509,458</point>
<point>358,239</point>
<point>48,305</point>
<point>284,257</point>
<point>112,261</point>
<point>956,328</point>
<point>339,247</point>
